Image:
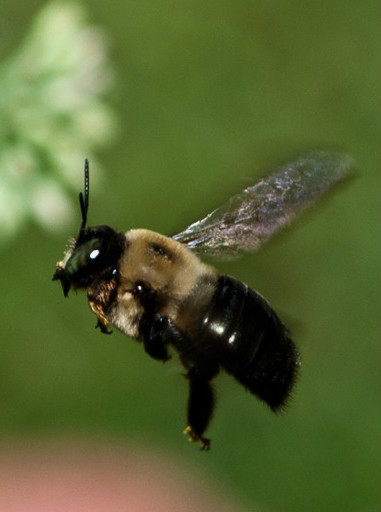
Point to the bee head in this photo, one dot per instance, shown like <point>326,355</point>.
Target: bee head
<point>93,255</point>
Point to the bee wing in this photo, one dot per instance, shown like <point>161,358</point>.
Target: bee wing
<point>249,218</point>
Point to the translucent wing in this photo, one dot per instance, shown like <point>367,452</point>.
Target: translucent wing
<point>248,219</point>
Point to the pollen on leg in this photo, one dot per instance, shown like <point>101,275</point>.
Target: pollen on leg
<point>195,438</point>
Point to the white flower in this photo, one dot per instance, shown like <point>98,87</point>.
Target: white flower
<point>53,116</point>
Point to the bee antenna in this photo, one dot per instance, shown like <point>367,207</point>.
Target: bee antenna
<point>84,199</point>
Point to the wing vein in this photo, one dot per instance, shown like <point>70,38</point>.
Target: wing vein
<point>250,218</point>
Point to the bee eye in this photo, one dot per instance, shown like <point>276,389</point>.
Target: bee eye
<point>85,254</point>
<point>94,254</point>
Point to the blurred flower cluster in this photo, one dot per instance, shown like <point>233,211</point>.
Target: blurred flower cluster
<point>53,115</point>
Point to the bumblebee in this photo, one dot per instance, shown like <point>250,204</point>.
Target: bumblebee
<point>155,289</point>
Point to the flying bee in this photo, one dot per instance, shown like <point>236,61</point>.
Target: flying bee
<point>157,290</point>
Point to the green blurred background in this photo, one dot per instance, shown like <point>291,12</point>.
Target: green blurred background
<point>209,96</point>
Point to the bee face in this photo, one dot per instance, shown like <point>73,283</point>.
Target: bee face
<point>95,254</point>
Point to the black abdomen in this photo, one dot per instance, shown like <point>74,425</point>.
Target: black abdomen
<point>252,343</point>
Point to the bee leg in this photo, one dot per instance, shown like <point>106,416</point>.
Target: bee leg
<point>157,332</point>
<point>102,327</point>
<point>200,403</point>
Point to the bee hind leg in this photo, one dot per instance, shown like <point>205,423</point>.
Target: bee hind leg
<point>201,403</point>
